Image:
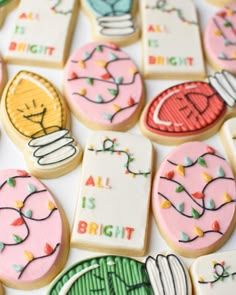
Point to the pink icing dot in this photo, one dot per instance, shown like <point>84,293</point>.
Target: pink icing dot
<point>213,180</point>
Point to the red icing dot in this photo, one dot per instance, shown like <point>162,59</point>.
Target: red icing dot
<point>222,14</point>
<point>19,221</point>
<point>114,46</point>
<point>74,75</point>
<point>215,226</point>
<point>106,76</point>
<point>130,102</point>
<point>198,195</point>
<point>48,249</point>
<point>170,174</point>
<point>22,173</point>
<point>222,263</point>
<point>210,150</point>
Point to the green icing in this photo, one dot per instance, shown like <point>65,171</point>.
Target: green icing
<point>4,2</point>
<point>114,275</point>
<point>110,7</point>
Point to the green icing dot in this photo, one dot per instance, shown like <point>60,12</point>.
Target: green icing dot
<point>184,237</point>
<point>179,189</point>
<point>90,81</point>
<point>113,91</point>
<point>31,188</point>
<point>220,172</point>
<point>201,162</point>
<point>11,182</point>
<point>17,239</point>
<point>17,267</point>
<point>188,161</point>
<point>180,207</point>
<point>28,213</point>
<point>1,247</point>
<point>195,214</point>
<point>210,204</point>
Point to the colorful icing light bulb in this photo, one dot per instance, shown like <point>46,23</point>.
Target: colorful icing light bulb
<point>191,110</point>
<point>112,20</point>
<point>36,119</point>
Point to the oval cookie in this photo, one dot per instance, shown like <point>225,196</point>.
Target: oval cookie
<point>34,242</point>
<point>36,118</point>
<point>190,111</point>
<point>123,275</point>
<point>219,39</point>
<point>103,87</point>
<point>193,199</point>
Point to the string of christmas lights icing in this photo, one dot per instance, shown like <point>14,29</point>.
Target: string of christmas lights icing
<point>63,12</point>
<point>109,146</point>
<point>161,5</point>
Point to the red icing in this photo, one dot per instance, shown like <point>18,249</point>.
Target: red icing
<point>198,195</point>
<point>210,150</point>
<point>18,222</point>
<point>48,249</point>
<point>170,174</point>
<point>215,226</point>
<point>190,108</point>
<point>90,181</point>
<point>22,173</point>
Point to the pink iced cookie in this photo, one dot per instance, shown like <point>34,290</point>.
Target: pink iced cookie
<point>194,197</point>
<point>220,39</point>
<point>103,87</point>
<point>34,242</point>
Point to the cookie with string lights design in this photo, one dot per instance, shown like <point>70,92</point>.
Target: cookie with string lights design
<point>6,6</point>
<point>163,274</point>
<point>34,40</point>
<point>34,242</point>
<point>112,20</point>
<point>103,87</point>
<point>115,176</point>
<point>35,117</point>
<point>214,274</point>
<point>2,74</point>
<point>220,39</point>
<point>193,199</point>
<point>191,110</point>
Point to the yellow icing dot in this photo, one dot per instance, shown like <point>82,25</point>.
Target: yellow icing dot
<point>51,205</point>
<point>133,70</point>
<point>116,108</point>
<point>81,64</point>
<point>126,150</point>
<point>101,63</point>
<point>201,280</point>
<point>28,255</point>
<point>218,32</point>
<point>206,177</point>
<point>91,146</point>
<point>180,169</point>
<point>230,12</point>
<point>133,175</point>
<point>214,262</point>
<point>165,204</point>
<point>227,198</point>
<point>234,54</point>
<point>19,204</point>
<point>198,231</point>
<point>83,92</point>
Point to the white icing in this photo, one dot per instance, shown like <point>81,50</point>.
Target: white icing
<point>156,118</point>
<point>168,276</point>
<point>111,263</point>
<point>44,30</point>
<point>125,193</point>
<point>66,287</point>
<point>53,150</point>
<point>203,268</point>
<point>176,40</point>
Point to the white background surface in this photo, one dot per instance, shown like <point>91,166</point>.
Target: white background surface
<point>66,188</point>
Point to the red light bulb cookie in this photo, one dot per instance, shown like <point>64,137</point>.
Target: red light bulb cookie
<point>220,39</point>
<point>103,87</point>
<point>190,111</point>
<point>193,199</point>
<point>36,118</point>
<point>35,241</point>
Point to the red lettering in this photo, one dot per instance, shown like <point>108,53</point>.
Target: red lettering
<point>12,46</point>
<point>129,231</point>
<point>151,60</point>
<point>82,227</point>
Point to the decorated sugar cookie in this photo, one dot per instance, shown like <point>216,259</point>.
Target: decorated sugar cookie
<point>123,275</point>
<point>190,111</point>
<point>34,40</point>
<point>6,6</point>
<point>214,274</point>
<point>2,74</point>
<point>220,39</point>
<point>36,118</point>
<point>103,87</point>
<point>170,28</point>
<point>34,242</point>
<point>112,20</point>
<point>220,2</point>
<point>193,200</point>
<point>116,176</point>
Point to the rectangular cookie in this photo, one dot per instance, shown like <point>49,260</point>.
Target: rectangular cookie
<point>42,32</point>
<point>113,203</point>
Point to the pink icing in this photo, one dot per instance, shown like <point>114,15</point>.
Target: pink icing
<point>171,221</point>
<point>40,233</point>
<point>220,38</point>
<point>129,84</point>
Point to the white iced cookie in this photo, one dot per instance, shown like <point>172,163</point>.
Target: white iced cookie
<point>170,28</point>
<point>113,202</point>
<point>214,274</point>
<point>36,31</point>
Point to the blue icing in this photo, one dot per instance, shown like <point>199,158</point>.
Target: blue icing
<point>110,7</point>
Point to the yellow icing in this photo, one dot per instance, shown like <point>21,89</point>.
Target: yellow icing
<point>206,177</point>
<point>165,204</point>
<point>28,255</point>
<point>227,198</point>
<point>180,170</point>
<point>198,231</point>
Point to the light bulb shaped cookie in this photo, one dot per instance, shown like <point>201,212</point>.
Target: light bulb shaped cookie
<point>6,6</point>
<point>170,28</point>
<point>164,274</point>
<point>194,198</point>
<point>190,111</point>
<point>34,40</point>
<point>35,117</point>
<point>116,175</point>
<point>112,20</point>
<point>35,241</point>
<point>103,87</point>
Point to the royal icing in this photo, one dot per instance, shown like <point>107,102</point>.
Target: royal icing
<point>103,86</point>
<point>113,19</point>
<point>170,29</point>
<point>34,237</point>
<point>189,109</point>
<point>123,275</point>
<point>115,176</point>
<point>193,199</point>
<point>214,274</point>
<point>37,116</point>
<point>34,40</point>
<point>220,39</point>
